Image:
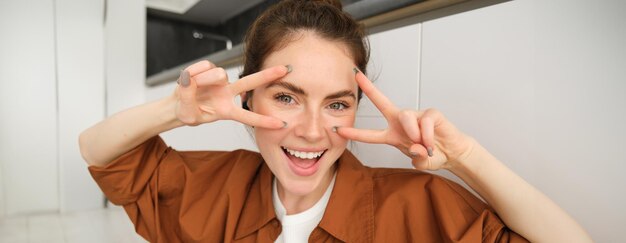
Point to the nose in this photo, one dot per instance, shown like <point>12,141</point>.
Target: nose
<point>310,127</point>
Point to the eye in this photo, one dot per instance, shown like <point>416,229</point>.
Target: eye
<point>338,106</point>
<point>283,98</point>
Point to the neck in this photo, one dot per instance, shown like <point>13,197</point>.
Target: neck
<point>295,203</point>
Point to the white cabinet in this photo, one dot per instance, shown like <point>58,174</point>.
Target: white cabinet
<point>28,107</point>
<point>80,91</point>
<point>51,88</point>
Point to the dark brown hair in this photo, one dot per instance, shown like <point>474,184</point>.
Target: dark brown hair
<point>279,24</point>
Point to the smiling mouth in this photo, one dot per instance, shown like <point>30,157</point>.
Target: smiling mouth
<point>303,163</point>
<point>304,155</point>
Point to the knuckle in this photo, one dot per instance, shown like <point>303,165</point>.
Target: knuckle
<point>200,66</point>
<point>221,74</point>
<point>405,114</point>
<point>432,111</point>
<point>205,64</point>
<point>208,63</point>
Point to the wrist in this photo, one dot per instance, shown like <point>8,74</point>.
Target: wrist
<point>167,113</point>
<point>475,163</point>
<point>468,161</point>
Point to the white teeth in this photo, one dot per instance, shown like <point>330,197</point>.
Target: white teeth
<point>304,155</point>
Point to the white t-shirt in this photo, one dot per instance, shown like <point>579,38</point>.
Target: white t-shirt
<point>298,227</point>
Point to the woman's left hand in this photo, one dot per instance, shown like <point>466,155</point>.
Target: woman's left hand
<point>412,132</point>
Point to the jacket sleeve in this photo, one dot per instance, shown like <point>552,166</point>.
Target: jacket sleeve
<point>482,221</point>
<point>142,180</point>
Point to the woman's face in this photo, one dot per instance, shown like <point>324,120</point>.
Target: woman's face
<point>318,94</point>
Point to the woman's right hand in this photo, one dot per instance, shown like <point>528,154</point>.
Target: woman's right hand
<point>204,95</point>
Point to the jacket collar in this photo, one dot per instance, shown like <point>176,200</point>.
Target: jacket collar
<point>258,208</point>
<point>349,215</point>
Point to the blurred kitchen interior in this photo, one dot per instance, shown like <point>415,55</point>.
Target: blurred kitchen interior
<point>539,83</point>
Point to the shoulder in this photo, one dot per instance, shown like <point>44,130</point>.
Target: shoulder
<point>395,179</point>
<point>411,204</point>
<point>419,187</point>
<point>207,172</point>
<point>203,160</point>
<point>211,168</point>
<point>220,167</point>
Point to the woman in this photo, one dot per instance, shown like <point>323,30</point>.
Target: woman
<point>302,80</point>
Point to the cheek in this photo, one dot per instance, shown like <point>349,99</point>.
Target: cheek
<point>347,121</point>
<point>267,138</point>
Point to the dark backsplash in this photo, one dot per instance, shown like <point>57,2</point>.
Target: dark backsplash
<point>171,42</point>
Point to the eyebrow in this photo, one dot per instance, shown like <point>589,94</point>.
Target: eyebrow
<point>293,88</point>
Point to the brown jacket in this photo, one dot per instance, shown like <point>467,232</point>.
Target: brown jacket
<point>174,196</point>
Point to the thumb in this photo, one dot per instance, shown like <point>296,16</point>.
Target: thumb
<point>187,98</point>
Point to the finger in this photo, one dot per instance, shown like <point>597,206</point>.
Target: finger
<point>257,79</point>
<point>187,97</point>
<point>211,77</point>
<point>427,127</point>
<point>199,67</point>
<point>256,120</point>
<point>408,120</point>
<point>421,162</point>
<point>362,135</point>
<point>418,151</point>
<point>381,101</point>
<point>420,159</point>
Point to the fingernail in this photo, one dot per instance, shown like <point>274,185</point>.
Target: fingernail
<point>183,80</point>
<point>430,151</point>
<point>289,68</point>
<point>335,129</point>
<point>284,124</point>
<point>414,154</point>
<point>356,70</point>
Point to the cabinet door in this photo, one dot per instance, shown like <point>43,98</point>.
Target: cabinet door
<point>81,89</point>
<point>28,107</point>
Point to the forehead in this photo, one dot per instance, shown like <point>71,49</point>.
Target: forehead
<point>315,59</point>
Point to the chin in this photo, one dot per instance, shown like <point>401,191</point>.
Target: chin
<point>299,187</point>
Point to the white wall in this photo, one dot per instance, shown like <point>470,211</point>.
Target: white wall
<point>394,69</point>
<point>125,50</point>
<point>541,85</point>
<point>1,193</point>
<point>28,107</point>
<point>80,43</point>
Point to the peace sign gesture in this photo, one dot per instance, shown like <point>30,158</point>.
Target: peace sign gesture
<point>425,136</point>
<point>205,95</point>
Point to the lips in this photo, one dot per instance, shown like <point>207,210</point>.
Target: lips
<point>303,163</point>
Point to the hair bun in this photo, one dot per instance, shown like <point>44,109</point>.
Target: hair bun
<point>335,3</point>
